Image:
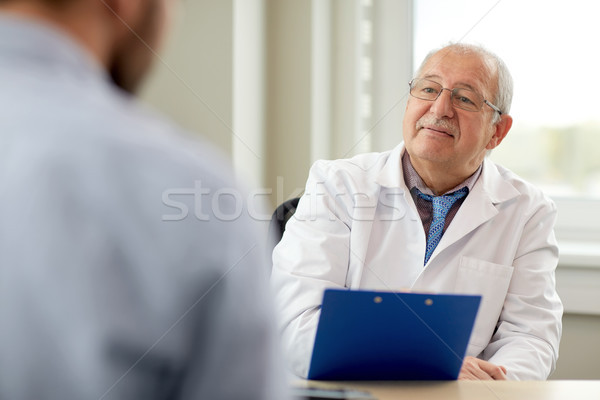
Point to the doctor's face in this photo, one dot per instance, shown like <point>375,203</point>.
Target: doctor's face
<point>438,135</point>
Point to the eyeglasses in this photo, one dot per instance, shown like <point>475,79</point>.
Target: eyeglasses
<point>465,99</point>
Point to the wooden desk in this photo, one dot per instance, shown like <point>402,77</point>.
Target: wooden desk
<point>475,390</point>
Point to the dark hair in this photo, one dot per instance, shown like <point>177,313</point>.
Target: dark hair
<point>50,3</point>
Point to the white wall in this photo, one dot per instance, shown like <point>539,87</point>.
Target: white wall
<point>288,111</point>
<point>192,82</point>
<point>277,84</point>
<point>317,85</point>
<point>579,356</point>
<point>211,79</point>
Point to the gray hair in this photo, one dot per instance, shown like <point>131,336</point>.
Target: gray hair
<point>504,85</point>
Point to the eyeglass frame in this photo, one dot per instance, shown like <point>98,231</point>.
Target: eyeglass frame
<point>485,101</point>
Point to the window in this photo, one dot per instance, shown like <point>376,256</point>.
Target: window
<point>546,45</point>
<point>555,137</point>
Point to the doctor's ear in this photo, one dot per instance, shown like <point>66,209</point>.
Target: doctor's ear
<point>501,129</point>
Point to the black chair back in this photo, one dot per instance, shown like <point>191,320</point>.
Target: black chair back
<point>281,216</point>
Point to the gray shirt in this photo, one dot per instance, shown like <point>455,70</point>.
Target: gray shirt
<point>119,277</point>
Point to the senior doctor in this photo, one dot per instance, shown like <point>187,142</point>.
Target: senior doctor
<point>433,214</point>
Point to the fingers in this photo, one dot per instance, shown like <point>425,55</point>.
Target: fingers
<point>476,369</point>
<point>471,370</point>
<point>496,372</point>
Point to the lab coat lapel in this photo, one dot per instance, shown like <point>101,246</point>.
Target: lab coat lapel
<point>479,207</point>
<point>362,225</point>
<point>389,180</point>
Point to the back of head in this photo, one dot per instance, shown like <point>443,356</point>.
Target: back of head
<point>52,4</point>
<point>122,35</point>
<point>497,67</point>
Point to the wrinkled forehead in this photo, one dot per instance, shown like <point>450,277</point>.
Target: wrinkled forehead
<point>468,69</point>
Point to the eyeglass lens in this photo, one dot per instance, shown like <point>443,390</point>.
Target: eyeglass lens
<point>465,99</point>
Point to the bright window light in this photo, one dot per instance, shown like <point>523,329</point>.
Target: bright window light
<point>549,48</point>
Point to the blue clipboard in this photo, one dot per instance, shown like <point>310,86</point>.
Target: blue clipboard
<point>367,335</point>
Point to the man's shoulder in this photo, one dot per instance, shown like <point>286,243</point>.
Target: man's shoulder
<point>114,150</point>
<point>183,150</point>
<point>361,165</point>
<point>520,183</point>
<point>134,133</point>
<point>526,192</point>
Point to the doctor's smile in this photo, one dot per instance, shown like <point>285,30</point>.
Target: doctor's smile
<point>437,126</point>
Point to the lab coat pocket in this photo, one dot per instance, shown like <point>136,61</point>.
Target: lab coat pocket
<point>491,281</point>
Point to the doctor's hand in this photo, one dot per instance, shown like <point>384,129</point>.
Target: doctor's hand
<point>476,369</point>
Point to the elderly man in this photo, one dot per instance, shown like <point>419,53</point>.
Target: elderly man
<point>433,214</point>
<point>105,291</point>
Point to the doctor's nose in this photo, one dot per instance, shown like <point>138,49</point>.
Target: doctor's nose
<point>442,106</point>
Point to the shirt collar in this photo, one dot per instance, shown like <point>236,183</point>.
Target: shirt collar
<point>413,180</point>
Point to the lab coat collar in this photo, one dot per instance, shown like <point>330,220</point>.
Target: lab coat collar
<point>392,175</point>
<point>494,185</point>
<point>479,207</point>
<point>490,184</point>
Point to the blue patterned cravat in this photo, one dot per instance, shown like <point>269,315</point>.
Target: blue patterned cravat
<point>441,206</point>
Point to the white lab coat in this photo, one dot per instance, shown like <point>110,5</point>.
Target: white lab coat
<point>357,227</point>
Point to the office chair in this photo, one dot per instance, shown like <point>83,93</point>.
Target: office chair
<point>280,217</point>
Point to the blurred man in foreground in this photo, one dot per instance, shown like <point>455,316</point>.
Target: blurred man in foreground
<point>106,290</point>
